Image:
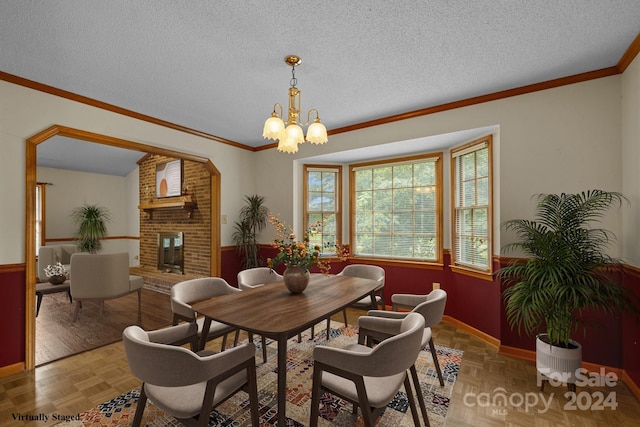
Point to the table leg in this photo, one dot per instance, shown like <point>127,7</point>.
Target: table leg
<point>282,381</point>
<point>205,331</point>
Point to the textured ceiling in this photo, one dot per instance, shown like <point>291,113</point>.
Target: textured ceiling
<point>217,66</point>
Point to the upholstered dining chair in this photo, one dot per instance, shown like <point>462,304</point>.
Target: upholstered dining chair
<point>431,308</point>
<point>365,271</point>
<point>184,384</point>
<point>253,278</point>
<point>185,293</point>
<point>369,378</point>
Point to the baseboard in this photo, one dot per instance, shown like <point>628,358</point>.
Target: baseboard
<point>471,330</point>
<point>5,371</point>
<point>530,355</point>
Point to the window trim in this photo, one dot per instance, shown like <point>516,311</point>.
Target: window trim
<point>306,168</point>
<point>439,262</point>
<point>455,152</point>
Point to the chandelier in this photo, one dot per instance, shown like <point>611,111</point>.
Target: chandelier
<point>290,136</point>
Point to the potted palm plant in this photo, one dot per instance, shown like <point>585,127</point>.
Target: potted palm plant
<point>567,272</point>
<point>92,221</point>
<point>252,220</point>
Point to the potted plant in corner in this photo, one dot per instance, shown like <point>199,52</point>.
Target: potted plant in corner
<point>252,220</point>
<point>92,221</point>
<point>567,272</point>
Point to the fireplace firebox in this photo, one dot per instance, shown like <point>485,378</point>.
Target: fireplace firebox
<point>171,252</point>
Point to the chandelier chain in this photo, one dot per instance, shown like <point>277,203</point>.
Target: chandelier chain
<point>293,82</point>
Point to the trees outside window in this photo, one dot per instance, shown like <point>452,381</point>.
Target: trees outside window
<point>472,204</point>
<point>322,204</point>
<point>396,208</point>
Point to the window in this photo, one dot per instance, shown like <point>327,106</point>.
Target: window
<point>40,210</point>
<point>396,209</point>
<point>322,204</point>
<point>472,204</point>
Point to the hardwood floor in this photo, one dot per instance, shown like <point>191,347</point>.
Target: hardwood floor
<point>57,336</point>
<point>77,383</point>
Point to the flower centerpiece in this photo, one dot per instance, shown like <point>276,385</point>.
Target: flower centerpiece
<point>299,256</point>
<point>56,273</point>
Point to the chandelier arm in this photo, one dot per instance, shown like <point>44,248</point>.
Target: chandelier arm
<point>277,104</point>
<point>313,110</point>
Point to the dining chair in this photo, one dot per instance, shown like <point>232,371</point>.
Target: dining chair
<point>431,308</point>
<point>253,278</point>
<point>369,378</point>
<point>184,384</point>
<point>365,271</point>
<point>185,293</point>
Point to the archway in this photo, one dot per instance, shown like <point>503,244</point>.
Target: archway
<point>31,178</point>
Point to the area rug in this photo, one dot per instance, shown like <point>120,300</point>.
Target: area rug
<point>334,411</point>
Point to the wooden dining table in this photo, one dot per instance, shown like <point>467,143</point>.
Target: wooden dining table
<point>272,311</point>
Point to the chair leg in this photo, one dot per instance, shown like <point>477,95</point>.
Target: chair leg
<point>236,338</point>
<point>254,403</point>
<point>418,389</point>
<point>382,297</point>
<point>316,391</point>
<point>224,342</point>
<point>435,361</point>
<point>412,403</point>
<point>328,328</point>
<point>344,314</point>
<point>76,309</point>
<point>140,307</point>
<point>70,297</point>
<point>142,402</point>
<point>313,332</point>
<point>39,301</point>
<point>264,349</point>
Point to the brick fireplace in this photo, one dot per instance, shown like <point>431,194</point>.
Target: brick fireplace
<point>195,228</point>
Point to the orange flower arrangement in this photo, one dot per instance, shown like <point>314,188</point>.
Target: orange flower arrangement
<point>299,253</point>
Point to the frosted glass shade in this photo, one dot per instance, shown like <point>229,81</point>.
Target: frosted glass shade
<point>286,145</point>
<point>294,134</point>
<point>273,128</point>
<point>317,133</point>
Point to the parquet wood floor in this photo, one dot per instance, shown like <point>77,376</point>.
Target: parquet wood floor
<point>80,382</point>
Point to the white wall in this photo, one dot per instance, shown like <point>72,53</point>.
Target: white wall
<point>25,112</point>
<point>564,139</point>
<point>631,160</point>
<point>559,140</point>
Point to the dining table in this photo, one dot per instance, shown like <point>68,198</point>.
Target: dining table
<point>273,312</point>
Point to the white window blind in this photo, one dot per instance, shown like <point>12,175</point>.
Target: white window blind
<point>322,205</point>
<point>397,210</point>
<point>472,204</point>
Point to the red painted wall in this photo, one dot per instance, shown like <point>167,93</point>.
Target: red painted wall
<point>12,306</point>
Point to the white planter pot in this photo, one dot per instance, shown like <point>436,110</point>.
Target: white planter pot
<point>557,363</point>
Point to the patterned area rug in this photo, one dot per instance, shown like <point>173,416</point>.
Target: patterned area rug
<point>334,411</point>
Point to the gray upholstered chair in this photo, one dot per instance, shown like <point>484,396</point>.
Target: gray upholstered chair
<point>49,255</point>
<point>185,293</point>
<point>100,277</point>
<point>365,271</point>
<point>184,384</point>
<point>431,307</point>
<point>369,377</point>
<point>253,278</point>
